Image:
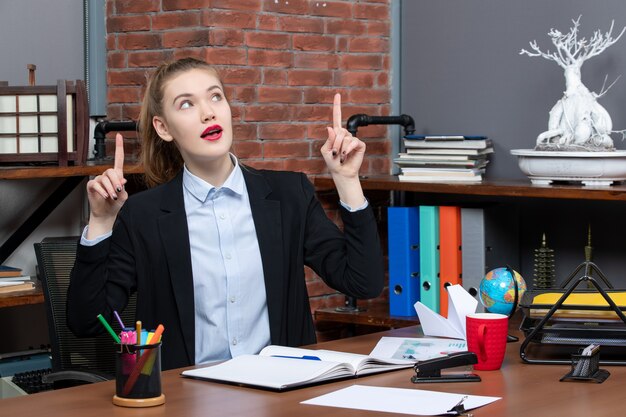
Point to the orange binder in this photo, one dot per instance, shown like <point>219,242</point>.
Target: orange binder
<point>450,265</point>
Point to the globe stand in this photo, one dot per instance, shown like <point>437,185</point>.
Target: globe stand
<point>510,338</point>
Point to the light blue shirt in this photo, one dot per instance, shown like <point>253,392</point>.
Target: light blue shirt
<point>229,287</point>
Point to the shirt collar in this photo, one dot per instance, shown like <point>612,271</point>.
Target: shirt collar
<point>200,188</point>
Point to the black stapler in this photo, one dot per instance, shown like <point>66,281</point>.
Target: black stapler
<point>430,370</point>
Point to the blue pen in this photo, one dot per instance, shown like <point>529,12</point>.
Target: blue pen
<point>307,357</point>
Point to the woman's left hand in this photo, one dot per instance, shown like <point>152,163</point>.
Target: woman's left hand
<point>342,152</point>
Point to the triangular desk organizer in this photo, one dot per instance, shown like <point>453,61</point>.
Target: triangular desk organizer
<point>592,315</point>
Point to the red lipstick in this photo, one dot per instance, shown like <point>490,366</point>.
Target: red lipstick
<point>212,133</point>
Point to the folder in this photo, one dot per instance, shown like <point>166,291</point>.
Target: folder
<point>473,254</point>
<point>490,239</point>
<point>429,256</point>
<point>449,253</point>
<point>404,260</point>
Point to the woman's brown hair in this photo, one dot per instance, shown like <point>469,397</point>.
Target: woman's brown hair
<point>161,159</point>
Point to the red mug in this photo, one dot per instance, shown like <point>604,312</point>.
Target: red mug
<point>486,337</point>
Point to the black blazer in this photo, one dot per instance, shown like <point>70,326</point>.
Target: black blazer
<point>148,252</point>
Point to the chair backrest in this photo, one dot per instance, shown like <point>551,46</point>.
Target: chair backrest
<point>55,258</point>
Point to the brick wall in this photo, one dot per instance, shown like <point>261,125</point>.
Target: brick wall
<point>281,62</point>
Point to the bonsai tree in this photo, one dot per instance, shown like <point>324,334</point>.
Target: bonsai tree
<point>577,121</point>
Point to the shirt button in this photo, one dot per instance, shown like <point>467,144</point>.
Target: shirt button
<point>222,216</point>
<point>227,256</point>
<point>232,299</point>
<point>234,341</point>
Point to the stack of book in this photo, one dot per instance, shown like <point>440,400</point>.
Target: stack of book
<point>444,158</point>
<point>12,280</point>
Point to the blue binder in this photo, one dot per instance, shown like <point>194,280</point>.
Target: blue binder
<point>429,257</point>
<point>404,260</point>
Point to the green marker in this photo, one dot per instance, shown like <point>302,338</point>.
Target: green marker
<point>108,327</point>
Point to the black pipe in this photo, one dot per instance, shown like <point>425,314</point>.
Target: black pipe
<point>357,120</point>
<point>104,127</point>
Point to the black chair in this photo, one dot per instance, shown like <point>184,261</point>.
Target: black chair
<point>74,360</point>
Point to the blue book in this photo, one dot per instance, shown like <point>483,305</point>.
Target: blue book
<point>429,257</point>
<point>404,260</point>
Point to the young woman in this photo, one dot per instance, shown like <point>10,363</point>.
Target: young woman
<point>216,249</point>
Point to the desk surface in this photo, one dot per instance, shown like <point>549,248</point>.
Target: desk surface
<point>526,390</point>
<point>373,314</point>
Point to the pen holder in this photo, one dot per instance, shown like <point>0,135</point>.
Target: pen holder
<point>585,368</point>
<point>138,376</point>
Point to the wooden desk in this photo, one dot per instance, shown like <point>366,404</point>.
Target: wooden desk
<point>526,390</point>
<point>375,314</point>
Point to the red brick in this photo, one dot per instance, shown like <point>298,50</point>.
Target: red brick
<point>312,113</point>
<point>111,41</point>
<point>318,287</point>
<point>184,4</point>
<point>266,113</point>
<point>342,44</point>
<point>251,5</point>
<point>225,56</point>
<point>343,27</point>
<point>361,62</point>
<point>128,23</point>
<point>135,6</point>
<point>248,149</point>
<point>267,40</point>
<point>378,147</point>
<point>236,112</point>
<point>116,60</point>
<point>244,131</point>
<point>318,95</point>
<point>123,94</point>
<point>370,96</point>
<point>242,94</point>
<point>148,59</point>
<point>371,11</point>
<point>128,77</point>
<point>221,18</point>
<point>130,112</point>
<point>313,43</point>
<point>175,20</point>
<point>267,22</point>
<point>282,149</point>
<point>139,41</point>
<point>318,132</point>
<point>378,28</point>
<point>292,7</point>
<point>267,58</point>
<point>313,60</point>
<point>276,165</point>
<point>301,24</point>
<point>368,45</point>
<point>356,78</point>
<point>180,53</point>
<point>382,80</point>
<point>226,37</point>
<point>309,77</point>
<point>373,131</point>
<point>114,111</point>
<point>279,95</point>
<point>185,39</point>
<point>331,8</point>
<point>308,166</point>
<point>282,131</point>
<point>274,77</point>
<point>236,75</point>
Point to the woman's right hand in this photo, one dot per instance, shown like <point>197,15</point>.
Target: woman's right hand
<point>106,194</point>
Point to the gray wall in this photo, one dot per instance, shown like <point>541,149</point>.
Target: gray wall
<point>48,34</point>
<point>461,73</point>
<point>461,70</point>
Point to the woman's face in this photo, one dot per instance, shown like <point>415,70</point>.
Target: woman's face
<point>197,117</point>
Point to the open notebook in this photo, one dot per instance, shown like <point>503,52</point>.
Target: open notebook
<point>280,367</point>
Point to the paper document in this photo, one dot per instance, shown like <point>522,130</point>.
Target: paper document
<point>417,348</point>
<point>398,400</point>
<point>460,304</point>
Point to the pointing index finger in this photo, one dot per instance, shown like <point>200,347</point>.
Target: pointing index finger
<point>119,153</point>
<point>337,111</point>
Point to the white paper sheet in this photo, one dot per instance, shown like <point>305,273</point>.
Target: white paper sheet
<point>416,348</point>
<point>398,400</point>
<point>460,304</point>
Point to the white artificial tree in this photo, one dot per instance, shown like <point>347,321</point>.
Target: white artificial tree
<point>577,121</point>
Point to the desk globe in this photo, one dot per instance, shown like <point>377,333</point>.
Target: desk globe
<point>497,290</point>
